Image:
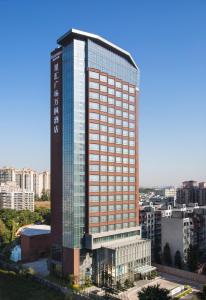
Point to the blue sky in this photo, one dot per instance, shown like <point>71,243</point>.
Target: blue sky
<point>168,41</point>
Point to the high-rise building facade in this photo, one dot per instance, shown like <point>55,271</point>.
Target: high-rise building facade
<point>94,154</point>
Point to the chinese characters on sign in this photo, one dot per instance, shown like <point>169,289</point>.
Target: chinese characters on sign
<point>56,86</point>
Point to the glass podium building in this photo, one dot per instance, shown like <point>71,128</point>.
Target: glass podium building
<point>94,158</point>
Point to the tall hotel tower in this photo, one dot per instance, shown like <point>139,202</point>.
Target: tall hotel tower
<point>94,160</point>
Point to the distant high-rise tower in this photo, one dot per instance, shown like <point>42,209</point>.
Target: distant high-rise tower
<point>94,154</point>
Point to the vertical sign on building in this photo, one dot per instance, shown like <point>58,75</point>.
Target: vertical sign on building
<point>56,146</point>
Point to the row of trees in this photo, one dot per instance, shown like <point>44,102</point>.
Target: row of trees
<point>191,261</point>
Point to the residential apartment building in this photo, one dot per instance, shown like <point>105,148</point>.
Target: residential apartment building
<point>27,179</point>
<point>188,193</point>
<point>13,197</point>
<point>94,158</point>
<point>181,227</point>
<point>150,220</point>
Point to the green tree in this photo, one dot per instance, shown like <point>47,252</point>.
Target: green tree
<point>167,258</point>
<point>178,260</point>
<point>153,293</point>
<point>192,258</point>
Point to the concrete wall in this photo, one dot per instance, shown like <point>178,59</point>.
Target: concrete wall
<point>181,273</point>
<point>172,233</point>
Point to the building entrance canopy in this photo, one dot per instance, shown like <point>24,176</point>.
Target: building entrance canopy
<point>144,269</point>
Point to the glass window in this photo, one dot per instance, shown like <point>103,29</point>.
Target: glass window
<point>118,141</point>
<point>131,206</point>
<point>103,88</point>
<point>110,100</point>
<point>132,143</point>
<point>125,87</point>
<point>103,98</point>
<point>118,131</point>
<point>118,94</point>
<point>118,169</point>
<point>103,208</point>
<point>103,128</point>
<point>103,188</point>
<point>94,85</point>
<point>103,108</point>
<point>103,219</point>
<point>94,147</point>
<point>111,139</point>
<point>131,161</point>
<point>94,229</point>
<point>125,114</point>
<point>103,118</point>
<point>125,105</point>
<point>125,151</point>
<point>118,216</point>
<point>118,207</point>
<point>125,96</point>
<point>118,188</point>
<point>103,78</point>
<point>110,91</point>
<point>94,209</point>
<point>125,197</point>
<point>111,178</point>
<point>118,159</point>
<point>125,206</point>
<point>94,188</point>
<point>103,148</point>
<point>131,90</point>
<point>110,81</point>
<point>125,169</point>
<point>94,116</point>
<point>94,198</point>
<point>111,129</point>
<point>132,99</point>
<point>111,198</point>
<point>111,168</point>
<point>131,107</point>
<point>93,95</point>
<point>103,168</point>
<point>94,168</point>
<point>94,157</point>
<point>111,227</point>
<point>111,207</point>
<point>131,125</point>
<point>93,75</point>
<point>103,228</point>
<point>118,84</point>
<point>118,150</point>
<point>131,197</point>
<point>111,110</point>
<point>103,198</point>
<point>132,188</point>
<point>118,103</point>
<point>111,188</point>
<point>94,126</point>
<point>111,120</point>
<point>125,124</point>
<point>103,157</point>
<point>94,219</point>
<point>125,188</point>
<point>94,136</point>
<point>132,170</point>
<point>103,178</point>
<point>119,226</point>
<point>118,122</point>
<point>131,215</point>
<point>111,217</point>
<point>111,149</point>
<point>125,160</point>
<point>93,105</point>
<point>118,112</point>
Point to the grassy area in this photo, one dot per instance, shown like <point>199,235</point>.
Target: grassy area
<point>42,204</point>
<point>16,287</point>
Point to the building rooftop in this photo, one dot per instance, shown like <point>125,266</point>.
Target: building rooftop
<point>75,33</point>
<point>32,230</point>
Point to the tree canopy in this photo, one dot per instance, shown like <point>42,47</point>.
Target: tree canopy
<point>153,293</point>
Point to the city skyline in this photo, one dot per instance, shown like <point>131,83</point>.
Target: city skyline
<point>167,47</point>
